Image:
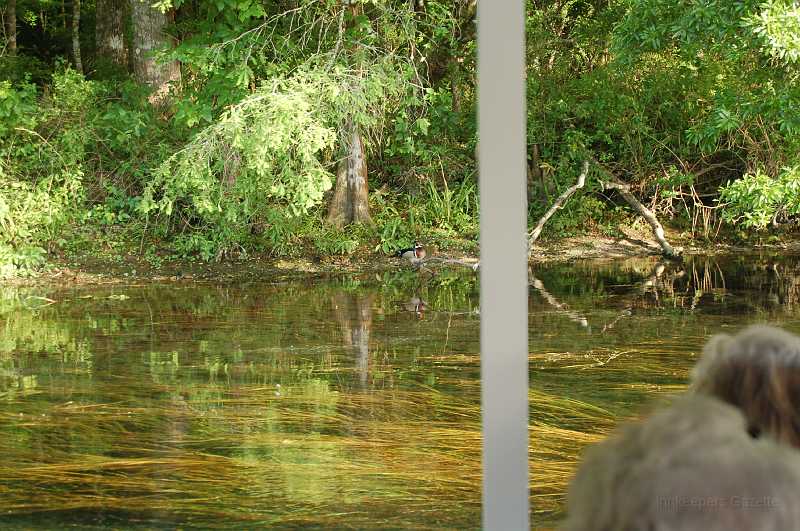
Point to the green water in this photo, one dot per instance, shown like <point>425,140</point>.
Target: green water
<point>333,403</point>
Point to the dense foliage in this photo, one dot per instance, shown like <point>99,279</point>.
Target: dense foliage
<point>694,103</point>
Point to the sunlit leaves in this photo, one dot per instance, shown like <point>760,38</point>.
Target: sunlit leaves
<point>778,23</point>
<point>756,200</point>
<point>267,151</point>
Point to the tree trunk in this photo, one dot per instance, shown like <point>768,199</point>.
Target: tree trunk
<point>149,36</point>
<point>536,184</point>
<point>350,201</point>
<point>76,34</point>
<point>110,31</point>
<point>339,209</point>
<point>455,90</point>
<point>11,27</point>
<point>357,184</point>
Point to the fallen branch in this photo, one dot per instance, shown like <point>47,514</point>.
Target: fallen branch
<point>658,231</point>
<point>537,230</point>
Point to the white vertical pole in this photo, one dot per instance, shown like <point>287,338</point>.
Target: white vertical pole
<point>504,279</point>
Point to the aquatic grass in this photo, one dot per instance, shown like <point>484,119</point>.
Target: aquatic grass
<point>393,454</point>
<point>315,456</point>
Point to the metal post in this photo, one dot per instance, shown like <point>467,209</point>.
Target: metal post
<point>504,280</point>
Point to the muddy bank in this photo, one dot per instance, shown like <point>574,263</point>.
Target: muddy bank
<point>130,269</point>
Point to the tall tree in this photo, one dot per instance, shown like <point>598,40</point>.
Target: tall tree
<point>110,31</point>
<point>149,35</point>
<point>76,34</point>
<point>350,201</point>
<point>11,27</point>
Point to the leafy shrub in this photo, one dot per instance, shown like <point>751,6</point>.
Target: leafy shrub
<point>756,200</point>
<point>17,105</point>
<point>580,213</point>
<point>395,231</point>
<point>29,216</point>
<point>41,169</point>
<point>266,154</point>
<point>331,241</point>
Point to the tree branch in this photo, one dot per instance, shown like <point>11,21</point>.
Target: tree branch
<point>537,230</point>
<point>658,231</point>
<point>625,191</point>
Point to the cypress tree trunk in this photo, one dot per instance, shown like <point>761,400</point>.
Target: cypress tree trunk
<point>148,36</point>
<point>357,184</point>
<point>76,41</point>
<point>110,31</point>
<point>11,27</point>
<point>350,201</point>
<point>339,209</point>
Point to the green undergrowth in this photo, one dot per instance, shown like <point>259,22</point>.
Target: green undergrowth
<point>88,167</point>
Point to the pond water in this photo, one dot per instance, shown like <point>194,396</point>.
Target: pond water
<point>348,402</point>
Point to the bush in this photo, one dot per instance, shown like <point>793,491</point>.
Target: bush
<point>757,200</point>
<point>41,171</point>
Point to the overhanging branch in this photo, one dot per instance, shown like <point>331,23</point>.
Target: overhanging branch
<point>537,230</point>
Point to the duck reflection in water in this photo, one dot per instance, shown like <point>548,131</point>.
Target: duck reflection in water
<point>416,305</point>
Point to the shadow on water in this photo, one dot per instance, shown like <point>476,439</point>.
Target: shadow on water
<point>352,402</point>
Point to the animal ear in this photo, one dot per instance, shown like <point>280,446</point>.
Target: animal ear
<point>717,349</point>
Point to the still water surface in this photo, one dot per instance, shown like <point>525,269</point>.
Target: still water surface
<point>334,403</point>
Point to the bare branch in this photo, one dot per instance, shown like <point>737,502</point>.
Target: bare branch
<point>537,230</point>
<point>658,231</point>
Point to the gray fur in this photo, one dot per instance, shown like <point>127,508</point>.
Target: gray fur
<point>686,468</point>
<point>757,343</point>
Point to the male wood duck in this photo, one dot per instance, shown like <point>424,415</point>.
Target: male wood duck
<point>412,253</point>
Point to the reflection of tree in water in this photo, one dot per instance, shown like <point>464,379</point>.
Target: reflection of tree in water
<point>176,399</point>
<point>759,283</point>
<point>353,313</point>
<point>555,303</point>
<point>25,338</point>
<point>177,411</point>
<point>744,284</point>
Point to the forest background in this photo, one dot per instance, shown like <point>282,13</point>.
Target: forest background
<point>225,129</point>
